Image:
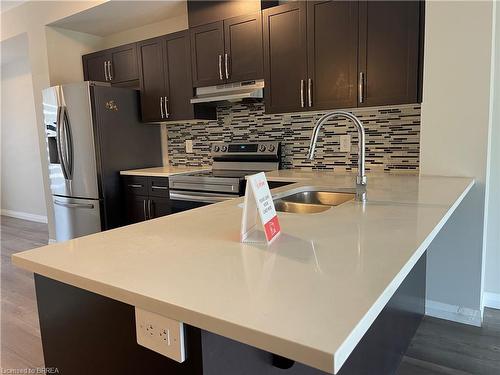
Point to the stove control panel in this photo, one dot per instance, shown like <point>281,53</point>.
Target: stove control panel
<point>222,149</point>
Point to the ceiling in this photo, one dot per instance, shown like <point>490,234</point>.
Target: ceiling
<point>115,16</point>
<point>6,5</point>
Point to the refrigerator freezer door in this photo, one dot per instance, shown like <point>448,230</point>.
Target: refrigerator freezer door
<point>75,217</point>
<point>70,141</point>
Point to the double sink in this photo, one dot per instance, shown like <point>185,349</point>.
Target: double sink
<point>310,200</point>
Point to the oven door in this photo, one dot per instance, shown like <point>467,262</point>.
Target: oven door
<point>182,200</point>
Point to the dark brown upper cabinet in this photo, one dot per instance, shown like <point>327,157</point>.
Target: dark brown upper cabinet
<point>356,54</point>
<point>165,80</point>
<point>388,52</point>
<point>115,65</point>
<point>285,57</point>
<point>152,79</point>
<point>207,54</point>
<point>227,51</point>
<point>332,53</point>
<point>243,48</point>
<point>95,67</point>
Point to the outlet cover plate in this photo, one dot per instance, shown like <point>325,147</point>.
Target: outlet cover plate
<point>189,146</point>
<point>160,334</point>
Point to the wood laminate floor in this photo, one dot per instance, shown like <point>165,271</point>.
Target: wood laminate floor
<point>438,348</point>
<point>21,347</point>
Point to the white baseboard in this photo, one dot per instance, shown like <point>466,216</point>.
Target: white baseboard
<point>454,313</point>
<point>25,216</point>
<point>491,300</point>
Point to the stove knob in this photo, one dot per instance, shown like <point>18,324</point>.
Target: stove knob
<point>223,148</point>
<point>216,148</point>
<point>262,148</point>
<point>271,148</point>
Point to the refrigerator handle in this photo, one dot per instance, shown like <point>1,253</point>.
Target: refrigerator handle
<point>74,205</point>
<point>58,141</point>
<point>68,144</point>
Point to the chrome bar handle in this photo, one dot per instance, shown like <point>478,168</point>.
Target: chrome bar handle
<point>149,209</point>
<point>135,186</point>
<point>154,187</point>
<point>144,209</point>
<point>220,68</point>
<point>226,64</point>
<point>109,71</point>
<point>165,103</point>
<point>302,93</point>
<point>106,71</point>
<point>161,106</point>
<point>361,85</point>
<point>309,92</point>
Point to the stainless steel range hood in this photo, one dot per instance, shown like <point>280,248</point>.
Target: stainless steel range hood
<point>230,92</point>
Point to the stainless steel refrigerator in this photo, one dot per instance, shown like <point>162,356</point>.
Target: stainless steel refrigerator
<point>93,131</point>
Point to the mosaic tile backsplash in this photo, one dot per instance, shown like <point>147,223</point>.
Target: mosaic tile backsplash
<point>392,137</point>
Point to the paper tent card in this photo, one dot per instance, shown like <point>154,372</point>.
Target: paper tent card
<point>259,212</point>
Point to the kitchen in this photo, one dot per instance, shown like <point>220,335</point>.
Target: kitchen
<point>215,135</point>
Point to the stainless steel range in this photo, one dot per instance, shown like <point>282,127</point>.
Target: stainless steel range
<point>231,163</point>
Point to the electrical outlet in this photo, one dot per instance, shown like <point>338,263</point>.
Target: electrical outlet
<point>189,146</point>
<point>160,334</point>
<point>345,143</point>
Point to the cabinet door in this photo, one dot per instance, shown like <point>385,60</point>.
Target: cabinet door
<point>332,43</point>
<point>152,79</point>
<point>94,67</point>
<point>178,81</point>
<point>136,208</point>
<point>388,52</point>
<point>285,57</point>
<point>159,207</point>
<point>124,63</point>
<point>207,54</point>
<point>243,48</point>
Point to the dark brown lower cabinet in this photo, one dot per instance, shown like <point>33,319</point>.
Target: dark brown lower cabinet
<point>136,208</point>
<point>159,207</point>
<point>145,198</point>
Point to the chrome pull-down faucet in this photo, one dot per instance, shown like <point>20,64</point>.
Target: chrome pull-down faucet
<point>361,177</point>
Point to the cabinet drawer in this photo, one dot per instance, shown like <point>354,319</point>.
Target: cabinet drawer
<point>136,185</point>
<point>159,187</point>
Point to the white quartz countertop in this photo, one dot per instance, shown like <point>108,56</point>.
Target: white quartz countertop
<point>162,171</point>
<point>310,296</point>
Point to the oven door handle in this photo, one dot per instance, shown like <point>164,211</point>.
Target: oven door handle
<point>200,197</point>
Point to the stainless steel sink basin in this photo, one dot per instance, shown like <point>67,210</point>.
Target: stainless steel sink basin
<point>311,201</point>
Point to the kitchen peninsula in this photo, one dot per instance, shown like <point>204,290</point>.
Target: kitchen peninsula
<point>318,295</point>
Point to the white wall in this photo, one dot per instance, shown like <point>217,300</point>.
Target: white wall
<point>454,139</point>
<point>492,261</point>
<point>22,193</point>
<point>64,50</point>
<point>145,32</point>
